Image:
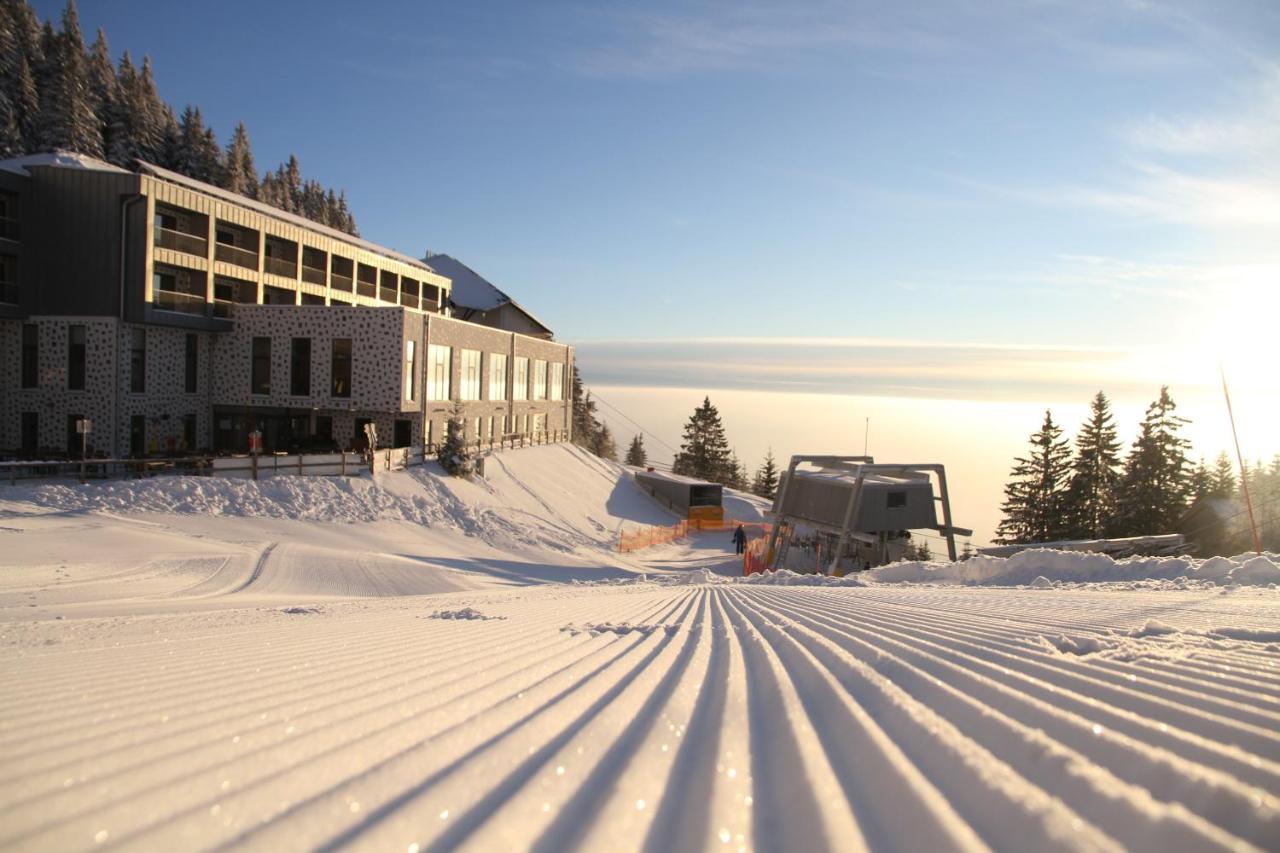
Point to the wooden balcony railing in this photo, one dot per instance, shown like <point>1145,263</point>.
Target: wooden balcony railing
<point>236,255</point>
<point>280,267</point>
<point>183,303</point>
<point>312,275</point>
<point>337,281</point>
<point>180,241</point>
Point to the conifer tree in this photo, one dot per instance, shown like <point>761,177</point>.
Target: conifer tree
<point>197,154</point>
<point>102,87</point>
<point>1224,477</point>
<point>765,483</point>
<point>583,413</point>
<point>636,455</point>
<point>1090,501</point>
<point>454,455</point>
<point>240,175</point>
<point>1153,491</point>
<point>1034,498</point>
<point>602,443</point>
<point>704,454</point>
<point>736,473</point>
<point>1199,481</point>
<point>67,119</point>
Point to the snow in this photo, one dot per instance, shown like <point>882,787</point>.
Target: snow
<point>59,159</point>
<point>417,662</point>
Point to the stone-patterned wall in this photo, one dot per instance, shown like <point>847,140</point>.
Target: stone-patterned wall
<point>376,360</point>
<point>52,401</point>
<point>165,400</point>
<point>10,379</point>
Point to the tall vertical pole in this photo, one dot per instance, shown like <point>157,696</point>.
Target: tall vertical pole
<point>866,435</point>
<point>780,503</point>
<point>946,513</point>
<point>1244,480</point>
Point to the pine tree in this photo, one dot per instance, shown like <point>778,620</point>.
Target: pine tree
<point>636,455</point>
<point>602,443</point>
<point>1224,477</point>
<point>67,120</point>
<point>584,413</point>
<point>736,473</point>
<point>454,455</point>
<point>197,154</point>
<point>1200,482</point>
<point>1089,505</point>
<point>1153,492</point>
<point>102,87</point>
<point>156,130</point>
<point>240,175</point>
<point>765,483</point>
<point>705,451</point>
<point>1035,496</point>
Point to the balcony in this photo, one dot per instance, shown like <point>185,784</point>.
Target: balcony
<point>280,267</point>
<point>366,280</point>
<point>222,308</point>
<point>182,303</point>
<point>180,241</point>
<point>10,228</point>
<point>236,255</point>
<point>9,292</point>
<point>340,282</point>
<point>342,273</point>
<point>311,275</point>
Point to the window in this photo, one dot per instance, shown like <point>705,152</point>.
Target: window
<point>138,361</point>
<point>300,367</point>
<point>340,368</point>
<point>30,432</point>
<point>278,296</point>
<point>539,379</point>
<point>76,442</point>
<point>438,367</point>
<point>75,358</point>
<point>403,436</point>
<point>192,378</point>
<point>896,500</point>
<point>497,376</point>
<point>520,380</point>
<point>557,381</point>
<point>137,435</point>
<point>410,374</point>
<point>30,355</point>
<point>470,378</point>
<point>324,427</point>
<point>188,432</point>
<point>166,220</point>
<point>260,380</point>
<point>9,279</point>
<point>312,299</point>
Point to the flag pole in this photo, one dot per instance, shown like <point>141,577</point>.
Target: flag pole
<point>1244,480</point>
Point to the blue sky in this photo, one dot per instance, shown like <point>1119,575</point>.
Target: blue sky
<point>1071,174</point>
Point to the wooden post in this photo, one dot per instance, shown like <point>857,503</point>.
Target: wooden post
<point>253,458</point>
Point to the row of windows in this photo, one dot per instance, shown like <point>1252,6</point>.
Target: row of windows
<point>77,354</point>
<point>300,367</point>
<point>488,428</point>
<point>76,441</point>
<point>548,379</point>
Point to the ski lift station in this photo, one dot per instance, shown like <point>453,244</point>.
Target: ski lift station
<point>853,499</point>
<point>690,498</point>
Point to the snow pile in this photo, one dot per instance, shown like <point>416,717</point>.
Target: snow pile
<point>621,629</point>
<point>1158,640</point>
<point>1043,569</point>
<point>786,577</point>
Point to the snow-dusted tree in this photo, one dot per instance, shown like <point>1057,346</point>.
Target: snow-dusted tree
<point>156,130</point>
<point>67,119</point>
<point>636,454</point>
<point>765,483</point>
<point>19,103</point>
<point>1153,491</point>
<point>102,86</point>
<point>197,154</point>
<point>1035,495</point>
<point>704,454</point>
<point>1199,481</point>
<point>239,174</point>
<point>736,473</point>
<point>585,423</point>
<point>454,455</point>
<point>1090,501</point>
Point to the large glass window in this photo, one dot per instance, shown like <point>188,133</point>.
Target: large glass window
<point>30,355</point>
<point>557,381</point>
<point>539,379</point>
<point>260,379</point>
<point>76,351</point>
<point>340,368</point>
<point>300,367</point>
<point>439,363</point>
<point>470,377</point>
<point>138,361</point>
<point>192,366</point>
<point>410,373</point>
<point>520,380</point>
<point>497,376</point>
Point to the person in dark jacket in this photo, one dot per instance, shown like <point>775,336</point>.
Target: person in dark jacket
<point>740,538</point>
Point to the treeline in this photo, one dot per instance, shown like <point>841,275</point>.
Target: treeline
<point>57,94</point>
<point>1056,494</point>
<point>705,453</point>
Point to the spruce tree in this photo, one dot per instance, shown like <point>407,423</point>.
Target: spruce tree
<point>1224,477</point>
<point>1199,482</point>
<point>1153,491</point>
<point>736,473</point>
<point>102,87</point>
<point>602,443</point>
<point>1036,494</point>
<point>240,175</point>
<point>704,454</point>
<point>197,154</point>
<point>1089,504</point>
<point>636,455</point>
<point>67,119</point>
<point>584,414</point>
<point>454,455</point>
<point>765,483</point>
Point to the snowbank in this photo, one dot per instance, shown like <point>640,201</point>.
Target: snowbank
<point>1043,568</point>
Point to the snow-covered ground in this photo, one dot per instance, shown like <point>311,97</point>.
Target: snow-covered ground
<point>421,663</point>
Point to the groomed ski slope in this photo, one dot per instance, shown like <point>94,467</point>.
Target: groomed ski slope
<point>408,698</point>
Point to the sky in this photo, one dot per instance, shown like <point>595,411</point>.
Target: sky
<point>1012,204</point>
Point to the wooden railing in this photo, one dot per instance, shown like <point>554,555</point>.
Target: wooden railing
<point>181,241</point>
<point>235,255</point>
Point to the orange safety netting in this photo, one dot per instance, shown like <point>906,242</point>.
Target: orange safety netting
<point>646,537</point>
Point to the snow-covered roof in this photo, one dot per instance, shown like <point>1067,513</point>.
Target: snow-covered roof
<point>58,159</point>
<point>674,478</point>
<point>276,213</point>
<point>472,290</point>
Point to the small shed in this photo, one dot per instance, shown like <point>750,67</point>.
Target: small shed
<point>690,498</point>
